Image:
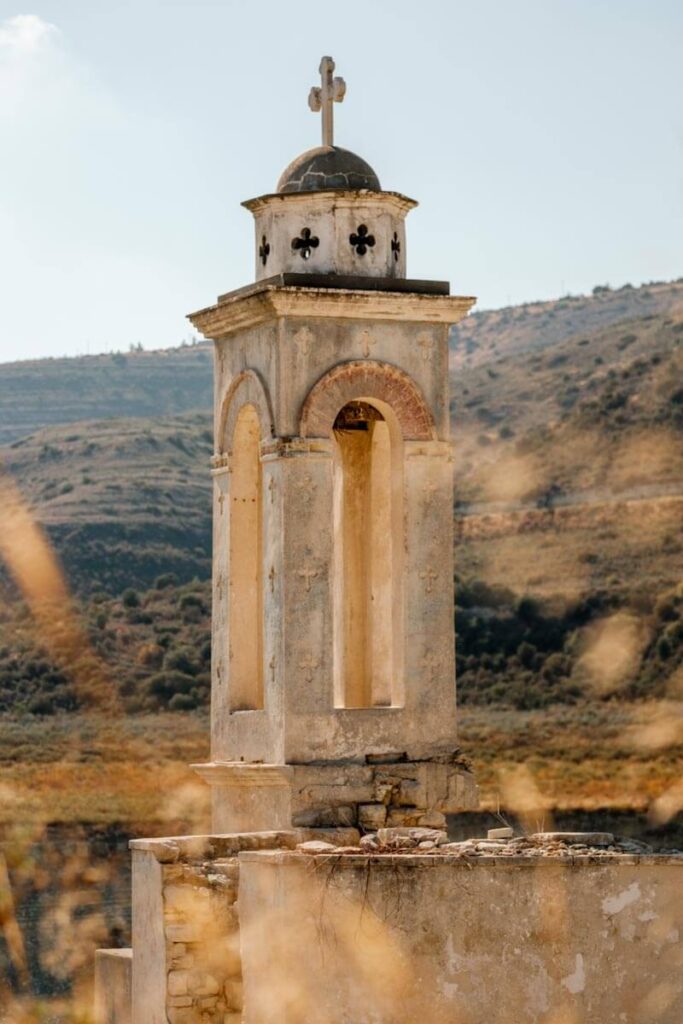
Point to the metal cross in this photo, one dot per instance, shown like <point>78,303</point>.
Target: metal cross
<point>221,499</point>
<point>323,97</point>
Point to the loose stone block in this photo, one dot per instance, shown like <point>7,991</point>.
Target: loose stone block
<point>178,983</point>
<point>372,816</point>
<point>201,983</point>
<point>500,833</point>
<point>233,994</point>
<point>181,933</point>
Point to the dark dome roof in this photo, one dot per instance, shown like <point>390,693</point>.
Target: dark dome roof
<point>328,167</point>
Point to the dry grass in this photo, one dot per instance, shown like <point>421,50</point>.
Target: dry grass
<point>585,757</point>
<point>131,771</point>
<point>87,768</point>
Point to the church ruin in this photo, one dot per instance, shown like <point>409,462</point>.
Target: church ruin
<point>328,890</point>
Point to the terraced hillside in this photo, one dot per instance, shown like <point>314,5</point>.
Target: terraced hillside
<point>49,392</point>
<point>535,326</point>
<point>122,500</point>
<point>569,512</point>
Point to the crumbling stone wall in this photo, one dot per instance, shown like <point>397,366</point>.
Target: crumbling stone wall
<point>201,928</point>
<point>186,925</point>
<point>382,793</point>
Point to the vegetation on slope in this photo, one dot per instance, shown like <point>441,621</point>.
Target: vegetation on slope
<point>569,484</point>
<point>121,500</point>
<point>41,393</point>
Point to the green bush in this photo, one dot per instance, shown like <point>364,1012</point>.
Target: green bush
<point>130,598</point>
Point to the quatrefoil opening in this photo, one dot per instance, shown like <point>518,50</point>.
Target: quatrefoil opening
<point>361,240</point>
<point>305,243</point>
<point>395,246</point>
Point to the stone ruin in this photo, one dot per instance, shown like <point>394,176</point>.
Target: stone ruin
<point>329,890</point>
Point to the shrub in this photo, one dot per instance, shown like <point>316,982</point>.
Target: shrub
<point>130,598</point>
<point>181,659</point>
<point>165,685</point>
<point>167,579</point>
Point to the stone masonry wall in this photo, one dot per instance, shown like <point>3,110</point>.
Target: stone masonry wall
<point>375,795</point>
<point>199,878</point>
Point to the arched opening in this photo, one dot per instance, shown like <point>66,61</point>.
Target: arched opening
<point>246,572</point>
<point>368,545</point>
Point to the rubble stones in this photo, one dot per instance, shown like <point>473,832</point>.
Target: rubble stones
<point>315,846</point>
<point>372,816</point>
<point>572,838</point>
<point>409,838</point>
<point>431,842</point>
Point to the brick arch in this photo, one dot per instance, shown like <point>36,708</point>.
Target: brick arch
<point>365,379</point>
<point>246,389</point>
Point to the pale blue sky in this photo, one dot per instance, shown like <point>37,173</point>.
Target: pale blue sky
<point>544,141</point>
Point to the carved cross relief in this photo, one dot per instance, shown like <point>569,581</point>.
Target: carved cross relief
<point>367,341</point>
<point>303,339</point>
<point>307,488</point>
<point>429,575</point>
<point>426,343</point>
<point>431,663</point>
<point>308,575</point>
<point>220,359</point>
<point>309,664</point>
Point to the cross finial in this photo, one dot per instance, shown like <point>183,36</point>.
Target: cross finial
<point>323,97</point>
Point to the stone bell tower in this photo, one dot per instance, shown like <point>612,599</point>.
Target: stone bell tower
<point>333,696</point>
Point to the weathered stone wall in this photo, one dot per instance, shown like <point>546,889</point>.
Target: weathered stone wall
<point>368,795</point>
<point>113,978</point>
<point>186,926</point>
<point>401,939</point>
<point>186,966</point>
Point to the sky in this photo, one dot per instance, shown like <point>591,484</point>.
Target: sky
<point>543,140</point>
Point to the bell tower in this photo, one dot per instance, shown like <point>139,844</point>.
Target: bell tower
<point>333,693</point>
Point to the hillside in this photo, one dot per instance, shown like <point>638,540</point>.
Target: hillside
<point>122,500</point>
<point>535,326</point>
<point>47,392</point>
<point>569,505</point>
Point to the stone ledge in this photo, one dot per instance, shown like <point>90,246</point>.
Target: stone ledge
<point>435,859</point>
<point>239,773</point>
<point>244,310</point>
<point>173,849</point>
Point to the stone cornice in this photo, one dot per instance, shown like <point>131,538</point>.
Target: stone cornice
<point>250,308</point>
<point>241,773</point>
<point>324,198</point>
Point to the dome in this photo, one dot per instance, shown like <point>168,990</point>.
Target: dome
<point>328,167</point>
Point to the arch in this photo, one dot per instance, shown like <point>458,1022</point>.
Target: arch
<point>245,540</point>
<point>247,388</point>
<point>367,379</point>
<point>368,534</point>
